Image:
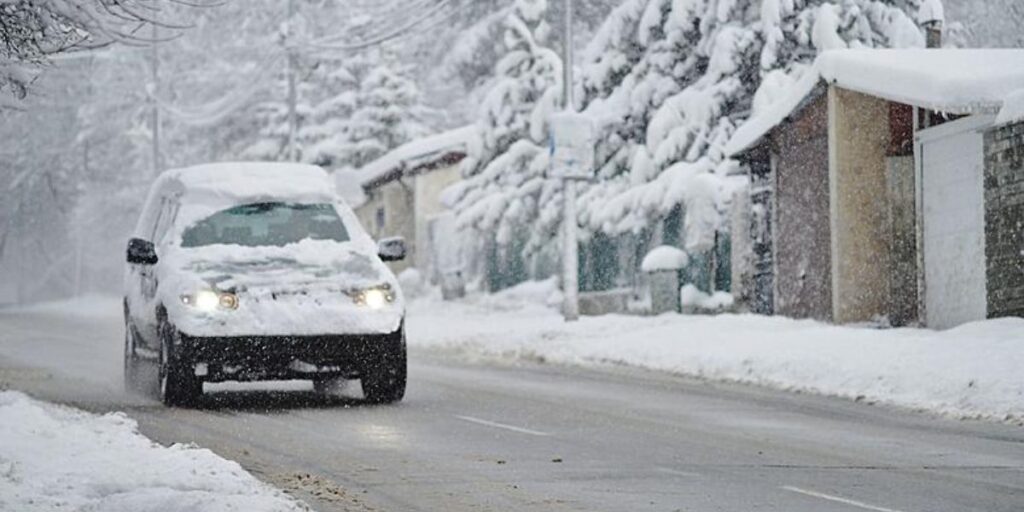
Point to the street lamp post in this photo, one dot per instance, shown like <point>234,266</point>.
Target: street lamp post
<point>293,95</point>
<point>152,91</point>
<point>570,279</point>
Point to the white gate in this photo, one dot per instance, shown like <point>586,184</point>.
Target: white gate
<point>951,172</point>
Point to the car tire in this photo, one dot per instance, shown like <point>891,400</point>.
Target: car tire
<point>384,376</point>
<point>132,371</point>
<point>177,385</point>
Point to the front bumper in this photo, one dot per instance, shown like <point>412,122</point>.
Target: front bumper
<point>250,358</point>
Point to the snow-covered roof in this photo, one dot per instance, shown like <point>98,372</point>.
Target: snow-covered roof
<point>238,181</point>
<point>931,11</point>
<point>957,81</point>
<point>1013,109</point>
<point>415,154</point>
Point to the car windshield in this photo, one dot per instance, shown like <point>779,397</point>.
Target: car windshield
<point>267,224</point>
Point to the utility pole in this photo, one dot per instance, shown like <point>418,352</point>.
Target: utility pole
<point>154,82</point>
<point>293,96</point>
<point>570,278</point>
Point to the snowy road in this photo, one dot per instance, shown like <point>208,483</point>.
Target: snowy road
<point>502,438</point>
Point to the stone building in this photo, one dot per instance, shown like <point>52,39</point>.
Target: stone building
<point>1004,218</point>
<point>870,191</point>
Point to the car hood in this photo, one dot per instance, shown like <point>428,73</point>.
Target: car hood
<point>298,289</point>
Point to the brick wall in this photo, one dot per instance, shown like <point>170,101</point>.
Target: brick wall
<point>1004,220</point>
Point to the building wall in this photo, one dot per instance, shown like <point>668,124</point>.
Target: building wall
<point>858,141</point>
<point>395,200</point>
<point>800,154</point>
<point>762,205</point>
<point>902,216</point>
<point>1004,220</point>
<point>427,188</point>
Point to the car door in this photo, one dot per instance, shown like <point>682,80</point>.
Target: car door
<point>146,277</point>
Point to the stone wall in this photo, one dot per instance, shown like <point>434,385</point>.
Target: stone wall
<point>1004,220</point>
<point>803,252</point>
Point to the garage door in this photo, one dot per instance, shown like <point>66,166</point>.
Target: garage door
<point>954,223</point>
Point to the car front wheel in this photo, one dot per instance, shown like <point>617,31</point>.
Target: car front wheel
<point>384,376</point>
<point>178,385</point>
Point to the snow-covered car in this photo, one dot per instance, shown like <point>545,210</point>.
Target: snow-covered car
<point>256,271</point>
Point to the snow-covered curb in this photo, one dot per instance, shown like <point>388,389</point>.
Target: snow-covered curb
<point>972,371</point>
<point>58,458</point>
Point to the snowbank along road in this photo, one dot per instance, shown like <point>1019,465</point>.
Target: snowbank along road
<point>532,437</point>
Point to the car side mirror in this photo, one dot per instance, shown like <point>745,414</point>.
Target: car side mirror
<point>141,252</point>
<point>391,249</point>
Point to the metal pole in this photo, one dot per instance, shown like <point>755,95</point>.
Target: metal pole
<point>155,114</point>
<point>570,279</point>
<point>293,97</point>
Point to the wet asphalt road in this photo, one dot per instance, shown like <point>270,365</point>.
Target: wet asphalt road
<point>487,437</point>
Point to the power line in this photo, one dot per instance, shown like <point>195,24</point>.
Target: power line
<point>326,45</point>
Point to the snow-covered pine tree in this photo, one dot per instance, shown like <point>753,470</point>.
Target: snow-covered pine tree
<point>505,182</point>
<point>706,66</point>
<point>667,82</point>
<point>388,114</point>
<point>328,127</point>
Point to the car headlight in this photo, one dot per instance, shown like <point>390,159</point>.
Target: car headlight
<point>374,298</point>
<point>209,300</point>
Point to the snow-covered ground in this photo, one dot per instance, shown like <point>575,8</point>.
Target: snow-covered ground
<point>57,458</point>
<point>970,371</point>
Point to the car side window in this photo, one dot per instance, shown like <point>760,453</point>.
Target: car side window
<point>158,220</point>
<point>168,211</point>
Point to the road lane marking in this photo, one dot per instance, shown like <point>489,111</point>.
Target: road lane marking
<point>676,472</point>
<point>512,428</point>
<point>838,499</point>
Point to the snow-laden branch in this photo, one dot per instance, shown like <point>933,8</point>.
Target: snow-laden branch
<point>332,44</point>
<point>31,31</point>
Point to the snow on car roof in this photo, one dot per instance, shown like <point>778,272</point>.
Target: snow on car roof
<point>241,181</point>
<point>956,81</point>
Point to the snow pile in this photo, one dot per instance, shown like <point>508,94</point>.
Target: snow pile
<point>57,458</point>
<point>971,371</point>
<point>664,257</point>
<point>525,295</point>
<point>412,283</point>
<point>692,297</point>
